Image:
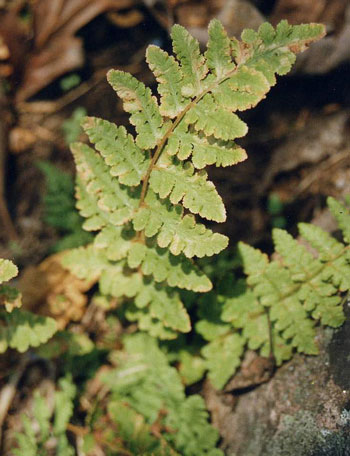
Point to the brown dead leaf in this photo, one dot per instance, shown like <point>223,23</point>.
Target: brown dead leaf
<point>56,49</point>
<point>50,48</point>
<point>51,290</point>
<point>305,11</point>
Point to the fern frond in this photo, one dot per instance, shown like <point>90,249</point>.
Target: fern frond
<point>24,329</point>
<point>180,182</point>
<point>167,72</point>
<point>342,216</point>
<point>178,271</point>
<point>178,232</point>
<point>136,433</point>
<point>142,106</point>
<point>213,120</point>
<point>116,201</point>
<point>86,263</point>
<point>202,150</point>
<point>8,270</point>
<point>218,52</point>
<point>192,63</point>
<point>146,383</point>
<point>152,182</point>
<point>125,159</point>
<point>295,291</point>
<point>223,356</point>
<point>275,288</point>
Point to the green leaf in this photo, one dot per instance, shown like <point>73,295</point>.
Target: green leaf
<point>180,183</point>
<point>178,271</point>
<point>245,312</point>
<point>64,404</point>
<point>194,436</point>
<point>300,262</point>
<point>125,159</point>
<point>115,241</point>
<point>106,196</point>
<point>24,329</point>
<point>342,216</point>
<point>146,383</point>
<point>192,62</point>
<point>7,270</point>
<point>223,356</point>
<point>204,151</point>
<point>213,120</point>
<point>86,263</point>
<point>218,52</point>
<point>177,232</point>
<point>170,78</point>
<point>142,106</point>
<point>26,440</point>
<point>243,90</point>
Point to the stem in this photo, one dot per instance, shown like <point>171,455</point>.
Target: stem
<point>269,325</point>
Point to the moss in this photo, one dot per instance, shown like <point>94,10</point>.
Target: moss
<point>300,435</point>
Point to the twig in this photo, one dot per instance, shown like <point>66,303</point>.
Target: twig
<point>9,390</point>
<point>323,167</point>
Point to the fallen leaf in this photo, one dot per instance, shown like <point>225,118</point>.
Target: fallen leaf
<point>50,290</point>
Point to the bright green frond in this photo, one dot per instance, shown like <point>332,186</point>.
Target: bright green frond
<point>24,329</point>
<point>223,356</point>
<point>118,282</point>
<point>86,263</point>
<point>243,90</point>
<point>194,436</point>
<point>150,325</point>
<point>205,151</point>
<point>7,270</point>
<point>115,241</point>
<point>164,305</point>
<point>254,261</point>
<point>178,270</point>
<point>95,218</point>
<point>273,51</point>
<point>193,66</point>
<point>178,232</point>
<point>142,106</point>
<point>299,260</point>
<point>245,312</point>
<point>125,159</point>
<point>10,297</point>
<point>342,216</point>
<point>180,183</point>
<point>218,52</point>
<point>332,253</point>
<point>213,120</point>
<point>170,78</point>
<point>146,383</point>
<point>116,202</point>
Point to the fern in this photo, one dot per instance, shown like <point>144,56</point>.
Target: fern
<point>146,385</point>
<point>298,290</point>
<point>34,444</point>
<point>59,208</point>
<point>19,329</point>
<point>143,192</point>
